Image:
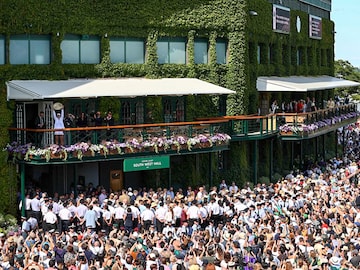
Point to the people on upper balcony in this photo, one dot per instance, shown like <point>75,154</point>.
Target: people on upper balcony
<point>274,107</point>
<point>69,120</point>
<point>59,124</point>
<point>313,105</point>
<point>109,121</point>
<point>82,122</point>
<point>39,124</point>
<point>168,117</point>
<point>97,119</point>
<point>307,107</point>
<point>330,104</point>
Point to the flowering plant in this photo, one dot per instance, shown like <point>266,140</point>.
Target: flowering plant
<point>78,150</point>
<point>287,128</point>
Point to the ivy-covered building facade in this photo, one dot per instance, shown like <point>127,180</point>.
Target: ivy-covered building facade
<point>227,43</point>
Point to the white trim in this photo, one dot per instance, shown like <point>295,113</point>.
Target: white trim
<point>125,87</point>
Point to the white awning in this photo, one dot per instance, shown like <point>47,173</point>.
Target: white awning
<point>125,87</point>
<point>301,83</point>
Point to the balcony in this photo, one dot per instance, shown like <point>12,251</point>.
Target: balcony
<point>252,127</point>
<point>118,142</point>
<point>205,135</point>
<point>299,126</point>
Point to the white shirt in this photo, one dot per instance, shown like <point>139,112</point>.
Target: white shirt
<point>193,212</point>
<point>135,211</point>
<point>119,212</point>
<point>215,208</point>
<point>65,214</point>
<point>35,204</point>
<point>50,217</point>
<point>160,213</point>
<point>81,210</point>
<point>177,211</point>
<point>147,215</point>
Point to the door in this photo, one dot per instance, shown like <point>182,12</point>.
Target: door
<point>116,180</point>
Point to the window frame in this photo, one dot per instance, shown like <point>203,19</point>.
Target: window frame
<point>125,49</point>
<point>80,39</point>
<point>169,41</point>
<point>218,42</point>
<point>3,53</point>
<point>29,39</point>
<point>201,41</point>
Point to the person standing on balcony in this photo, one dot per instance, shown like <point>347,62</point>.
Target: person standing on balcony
<point>274,107</point>
<point>82,122</point>
<point>39,124</point>
<point>331,103</point>
<point>109,121</point>
<point>69,123</point>
<point>59,124</point>
<point>313,105</point>
<point>308,105</point>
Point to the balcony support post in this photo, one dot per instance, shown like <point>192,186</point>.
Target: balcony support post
<point>336,144</point>
<point>301,155</point>
<point>317,148</point>
<point>271,159</point>
<point>22,188</point>
<point>210,170</point>
<point>255,164</point>
<point>292,154</point>
<point>323,145</point>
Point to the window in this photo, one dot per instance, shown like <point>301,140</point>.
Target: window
<point>294,56</point>
<point>272,54</point>
<point>201,51</point>
<point>221,49</point>
<point>171,51</point>
<point>2,50</point>
<point>126,112</point>
<point>80,49</point>
<point>174,109</point>
<point>29,49</point>
<point>298,57</point>
<point>127,51</point>
<point>132,111</point>
<point>263,53</point>
<point>180,110</point>
<point>301,56</point>
<point>252,53</point>
<point>139,112</point>
<point>285,54</point>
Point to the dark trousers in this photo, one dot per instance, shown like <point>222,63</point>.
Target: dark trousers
<point>37,215</point>
<point>64,225</point>
<point>147,224</point>
<point>159,226</point>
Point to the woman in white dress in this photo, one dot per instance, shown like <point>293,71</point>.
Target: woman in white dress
<point>59,124</point>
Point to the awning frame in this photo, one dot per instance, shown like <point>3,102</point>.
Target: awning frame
<point>301,83</point>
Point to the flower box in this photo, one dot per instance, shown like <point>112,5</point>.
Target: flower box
<point>205,145</point>
<point>79,150</point>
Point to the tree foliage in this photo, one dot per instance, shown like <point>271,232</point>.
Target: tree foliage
<point>345,70</point>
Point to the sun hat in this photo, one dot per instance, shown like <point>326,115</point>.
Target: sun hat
<point>58,106</point>
<point>335,261</point>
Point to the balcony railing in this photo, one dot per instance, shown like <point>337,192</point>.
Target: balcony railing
<point>252,127</point>
<point>311,124</point>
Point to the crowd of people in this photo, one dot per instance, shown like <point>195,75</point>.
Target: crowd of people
<point>308,105</point>
<point>307,220</point>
